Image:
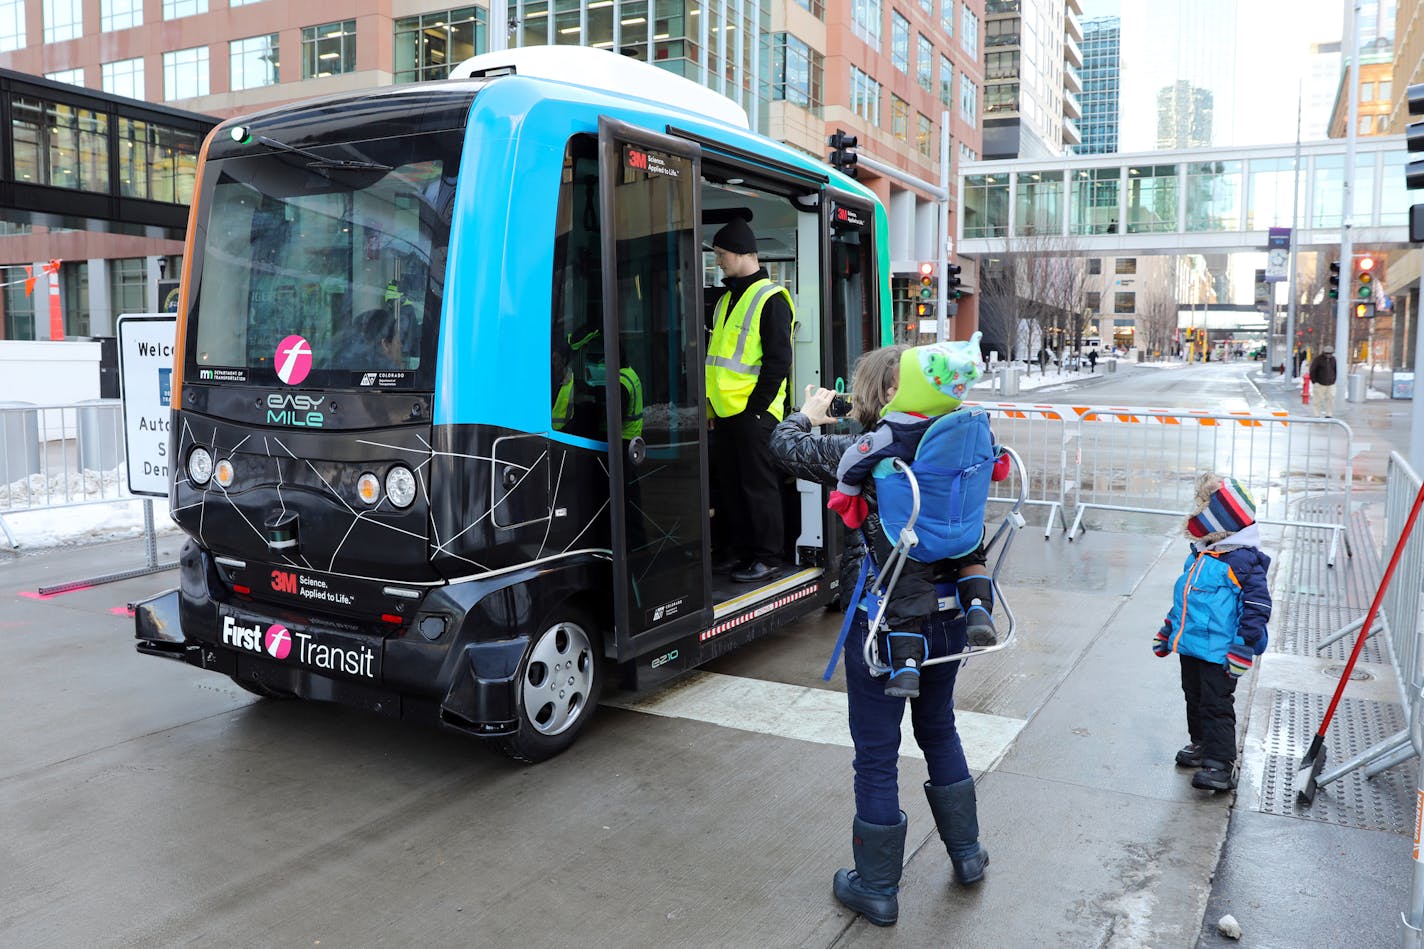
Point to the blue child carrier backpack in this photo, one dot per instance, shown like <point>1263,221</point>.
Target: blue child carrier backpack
<point>953,467</point>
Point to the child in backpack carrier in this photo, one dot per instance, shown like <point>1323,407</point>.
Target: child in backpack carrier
<point>933,381</point>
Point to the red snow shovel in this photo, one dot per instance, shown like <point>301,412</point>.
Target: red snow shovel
<point>1314,759</point>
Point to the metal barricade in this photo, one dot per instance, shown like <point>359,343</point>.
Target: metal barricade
<point>1040,434</point>
<point>1146,461</point>
<point>60,456</point>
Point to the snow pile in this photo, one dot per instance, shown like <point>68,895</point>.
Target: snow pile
<point>37,490</point>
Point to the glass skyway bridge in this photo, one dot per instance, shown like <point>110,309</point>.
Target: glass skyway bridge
<point>1201,200</point>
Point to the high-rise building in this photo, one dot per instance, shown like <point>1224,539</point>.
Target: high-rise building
<point>1102,83</point>
<point>1184,116</point>
<point>1320,87</point>
<point>887,72</point>
<point>1032,59</point>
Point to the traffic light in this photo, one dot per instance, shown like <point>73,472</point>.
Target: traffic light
<point>1414,171</point>
<point>952,274</point>
<point>1334,279</point>
<point>1364,279</point>
<point>843,156</point>
<point>926,280</point>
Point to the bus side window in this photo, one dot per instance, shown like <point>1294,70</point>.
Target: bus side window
<point>578,395</point>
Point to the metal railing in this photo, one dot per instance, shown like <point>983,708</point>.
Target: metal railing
<point>1040,434</point>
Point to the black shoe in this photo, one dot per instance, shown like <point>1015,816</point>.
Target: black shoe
<point>754,572</point>
<point>1215,776</point>
<point>1190,756</point>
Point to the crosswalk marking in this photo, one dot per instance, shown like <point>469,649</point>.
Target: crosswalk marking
<point>802,713</point>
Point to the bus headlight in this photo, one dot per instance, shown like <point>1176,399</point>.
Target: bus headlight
<point>368,488</point>
<point>400,486</point>
<point>223,473</point>
<point>200,466</point>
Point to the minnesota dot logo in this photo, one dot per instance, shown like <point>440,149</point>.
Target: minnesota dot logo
<point>294,359</point>
<point>279,641</point>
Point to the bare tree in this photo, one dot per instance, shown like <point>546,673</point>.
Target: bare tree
<point>1031,294</point>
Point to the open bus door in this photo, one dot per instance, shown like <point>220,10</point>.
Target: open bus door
<point>652,320</point>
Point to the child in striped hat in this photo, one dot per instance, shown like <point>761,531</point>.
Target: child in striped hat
<point>1217,624</point>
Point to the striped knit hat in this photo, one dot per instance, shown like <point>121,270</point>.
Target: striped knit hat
<point>1224,506</point>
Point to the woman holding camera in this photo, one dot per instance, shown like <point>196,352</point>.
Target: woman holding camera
<point>879,827</point>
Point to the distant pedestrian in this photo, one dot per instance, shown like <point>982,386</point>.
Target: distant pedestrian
<point>1322,382</point>
<point>1217,625</point>
<point>1043,360</point>
<point>1093,360</point>
<point>1299,360</point>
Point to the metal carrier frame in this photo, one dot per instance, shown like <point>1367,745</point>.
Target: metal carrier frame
<point>908,540</point>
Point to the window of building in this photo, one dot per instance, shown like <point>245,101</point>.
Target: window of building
<point>927,6</point>
<point>946,16</point>
<point>155,162</point>
<point>899,118</point>
<point>253,62</point>
<point>1386,87</point>
<point>63,20</point>
<point>74,77</point>
<point>12,24</point>
<point>969,32</point>
<point>900,42</point>
<point>120,14</point>
<point>865,21</point>
<point>1094,200</point>
<point>128,284</point>
<point>74,292</point>
<point>1367,92</point>
<point>174,9</point>
<point>946,81</point>
<point>1001,65</point>
<point>924,63</point>
<point>1003,32</point>
<point>185,73</point>
<point>795,72</point>
<point>19,308</point>
<point>429,44</point>
<point>924,136</point>
<point>817,8</point>
<point>123,78</point>
<point>967,154</point>
<point>986,205</point>
<point>59,145</point>
<point>1125,301</point>
<point>1039,203</point>
<point>1127,265</point>
<point>1001,97</point>
<point>864,96</point>
<point>1367,123</point>
<point>1095,265</point>
<point>1093,300</point>
<point>968,99</point>
<point>329,49</point>
<point>1151,198</point>
<point>1381,124</point>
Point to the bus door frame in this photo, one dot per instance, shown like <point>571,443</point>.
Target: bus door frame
<point>637,632</point>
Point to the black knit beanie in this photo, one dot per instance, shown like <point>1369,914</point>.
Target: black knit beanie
<point>736,237</point>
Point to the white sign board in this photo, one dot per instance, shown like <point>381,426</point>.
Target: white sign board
<point>146,381</point>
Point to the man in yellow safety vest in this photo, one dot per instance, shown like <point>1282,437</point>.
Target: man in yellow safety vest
<point>748,360</point>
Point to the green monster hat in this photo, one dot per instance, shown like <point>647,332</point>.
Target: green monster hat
<point>934,378</point>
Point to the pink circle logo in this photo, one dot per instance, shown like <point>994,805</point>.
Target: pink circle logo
<point>294,359</point>
<point>279,641</point>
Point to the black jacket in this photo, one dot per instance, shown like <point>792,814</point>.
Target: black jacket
<point>1322,369</point>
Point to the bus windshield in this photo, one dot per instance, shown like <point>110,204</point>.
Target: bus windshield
<point>322,273</point>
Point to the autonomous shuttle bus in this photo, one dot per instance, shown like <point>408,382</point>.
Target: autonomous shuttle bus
<point>439,405</point>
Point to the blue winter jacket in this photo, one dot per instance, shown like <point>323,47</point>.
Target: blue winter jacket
<point>1222,598</point>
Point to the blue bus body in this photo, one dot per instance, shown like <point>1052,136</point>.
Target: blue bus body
<point>440,424</point>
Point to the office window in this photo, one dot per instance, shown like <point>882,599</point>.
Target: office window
<point>924,63</point>
<point>1367,92</point>
<point>1093,299</point>
<point>946,81</point>
<point>157,163</point>
<point>1095,265</point>
<point>120,14</point>
<point>19,308</point>
<point>865,21</point>
<point>1126,265</point>
<point>12,24</point>
<point>74,292</point>
<point>900,42</point>
<point>63,20</point>
<point>253,62</point>
<point>1125,302</point>
<point>946,17</point>
<point>817,8</point>
<point>128,284</point>
<point>924,136</point>
<point>969,32</point>
<point>123,78</point>
<point>795,72</point>
<point>968,99</point>
<point>173,9</point>
<point>927,6</point>
<point>967,154</point>
<point>1002,65</point>
<point>185,73</point>
<point>900,118</point>
<point>75,77</point>
<point>864,96</point>
<point>429,44</point>
<point>59,145</point>
<point>329,49</point>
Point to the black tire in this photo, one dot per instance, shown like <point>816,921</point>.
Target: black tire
<point>260,690</point>
<point>559,682</point>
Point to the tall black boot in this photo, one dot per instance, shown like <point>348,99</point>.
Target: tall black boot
<point>870,888</point>
<point>956,815</point>
<point>976,600</point>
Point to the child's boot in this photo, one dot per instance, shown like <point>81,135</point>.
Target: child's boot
<point>976,600</point>
<point>1190,756</point>
<point>870,889</point>
<point>1215,775</point>
<point>907,655</point>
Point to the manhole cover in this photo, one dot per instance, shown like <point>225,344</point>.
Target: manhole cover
<point>1358,675</point>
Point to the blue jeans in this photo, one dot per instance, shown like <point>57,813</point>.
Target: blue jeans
<point>875,719</point>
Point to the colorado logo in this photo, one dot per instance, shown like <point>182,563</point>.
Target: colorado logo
<point>293,359</point>
<point>278,641</point>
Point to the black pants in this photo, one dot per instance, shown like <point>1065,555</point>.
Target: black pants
<point>748,486</point>
<point>1211,708</point>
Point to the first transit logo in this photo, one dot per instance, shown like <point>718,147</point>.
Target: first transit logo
<point>294,359</point>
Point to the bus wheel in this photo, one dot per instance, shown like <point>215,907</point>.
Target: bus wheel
<point>557,690</point>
